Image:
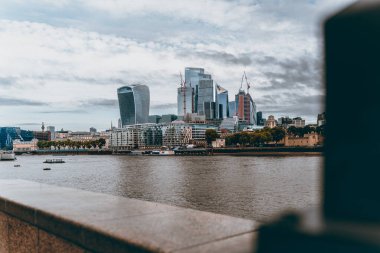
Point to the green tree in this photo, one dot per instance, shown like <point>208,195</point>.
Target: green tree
<point>40,144</point>
<point>87,144</point>
<point>321,130</point>
<point>211,135</point>
<point>245,138</point>
<point>308,129</point>
<point>278,133</point>
<point>101,142</point>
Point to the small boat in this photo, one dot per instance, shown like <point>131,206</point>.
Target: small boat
<point>54,161</point>
<point>17,165</point>
<point>162,152</point>
<point>46,168</point>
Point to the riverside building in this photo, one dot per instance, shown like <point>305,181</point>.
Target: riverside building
<point>134,101</point>
<point>153,136</point>
<point>245,107</point>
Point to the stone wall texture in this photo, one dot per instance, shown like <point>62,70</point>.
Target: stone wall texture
<point>17,236</point>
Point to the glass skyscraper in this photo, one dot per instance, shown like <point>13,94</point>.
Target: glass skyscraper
<point>134,103</point>
<point>232,108</point>
<point>222,101</point>
<point>205,94</point>
<point>192,90</point>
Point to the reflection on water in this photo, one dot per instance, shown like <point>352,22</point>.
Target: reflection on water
<point>250,187</point>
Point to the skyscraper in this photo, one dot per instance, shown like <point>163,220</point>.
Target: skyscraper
<point>222,101</point>
<point>205,94</point>
<point>245,107</point>
<point>51,129</point>
<point>259,119</point>
<point>232,108</point>
<point>190,91</point>
<point>134,103</point>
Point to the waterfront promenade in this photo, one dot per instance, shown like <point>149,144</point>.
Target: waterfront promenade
<point>37,217</point>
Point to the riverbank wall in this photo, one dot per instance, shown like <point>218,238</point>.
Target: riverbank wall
<point>267,151</point>
<point>243,151</point>
<point>67,152</point>
<point>41,218</point>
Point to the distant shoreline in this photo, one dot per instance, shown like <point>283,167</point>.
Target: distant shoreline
<point>249,151</point>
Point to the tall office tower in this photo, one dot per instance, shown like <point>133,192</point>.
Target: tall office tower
<point>51,129</point>
<point>205,94</point>
<point>210,110</point>
<point>259,118</point>
<point>192,78</point>
<point>222,102</point>
<point>232,108</point>
<point>134,103</point>
<point>245,107</point>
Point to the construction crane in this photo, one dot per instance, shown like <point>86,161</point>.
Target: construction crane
<point>183,89</point>
<point>248,84</point>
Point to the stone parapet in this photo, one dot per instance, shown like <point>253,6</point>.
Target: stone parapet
<point>36,217</point>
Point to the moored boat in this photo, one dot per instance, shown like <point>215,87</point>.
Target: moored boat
<point>54,161</point>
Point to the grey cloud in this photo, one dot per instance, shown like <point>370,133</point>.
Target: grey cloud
<point>164,106</point>
<point>293,110</point>
<point>221,57</point>
<point>63,111</point>
<point>7,80</point>
<point>29,124</point>
<point>301,73</point>
<point>292,104</point>
<point>100,102</point>
<point>19,102</point>
<point>241,59</point>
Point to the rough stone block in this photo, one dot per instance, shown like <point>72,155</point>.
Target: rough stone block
<point>22,236</point>
<point>3,233</point>
<point>50,243</point>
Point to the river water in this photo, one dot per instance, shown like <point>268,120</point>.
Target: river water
<point>250,187</point>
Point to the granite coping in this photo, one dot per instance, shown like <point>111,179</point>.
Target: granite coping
<point>106,223</point>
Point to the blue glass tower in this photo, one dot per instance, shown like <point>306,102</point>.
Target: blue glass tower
<point>222,100</point>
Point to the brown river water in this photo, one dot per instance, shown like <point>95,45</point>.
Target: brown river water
<point>250,187</point>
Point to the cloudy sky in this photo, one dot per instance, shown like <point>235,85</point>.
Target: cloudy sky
<point>61,61</point>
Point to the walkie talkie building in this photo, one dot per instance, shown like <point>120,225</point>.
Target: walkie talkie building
<point>134,104</point>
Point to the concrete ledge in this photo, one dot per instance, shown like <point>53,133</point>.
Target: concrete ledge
<point>95,222</point>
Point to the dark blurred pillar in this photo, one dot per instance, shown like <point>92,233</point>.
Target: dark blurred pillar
<point>352,168</point>
<point>350,219</point>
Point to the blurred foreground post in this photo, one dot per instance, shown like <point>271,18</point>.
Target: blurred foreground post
<point>350,219</point>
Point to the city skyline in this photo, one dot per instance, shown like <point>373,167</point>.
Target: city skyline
<point>79,61</point>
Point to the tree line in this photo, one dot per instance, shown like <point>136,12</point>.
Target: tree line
<point>266,135</point>
<point>256,138</point>
<point>71,144</point>
<point>301,131</point>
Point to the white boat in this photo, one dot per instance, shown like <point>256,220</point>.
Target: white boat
<point>7,155</point>
<point>162,152</point>
<point>166,152</point>
<point>136,152</point>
